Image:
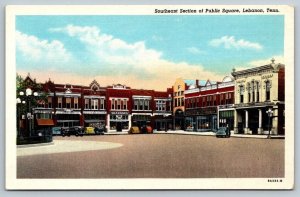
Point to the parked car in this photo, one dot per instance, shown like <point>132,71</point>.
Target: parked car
<point>100,130</point>
<point>147,129</point>
<point>223,132</point>
<point>76,130</point>
<point>89,130</point>
<point>56,130</point>
<point>134,129</point>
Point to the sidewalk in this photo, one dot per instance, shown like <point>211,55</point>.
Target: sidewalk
<point>210,133</point>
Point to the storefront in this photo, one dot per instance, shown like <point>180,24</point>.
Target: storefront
<point>202,119</point>
<point>119,121</point>
<point>67,118</point>
<point>163,122</point>
<point>141,120</point>
<point>226,116</point>
<point>94,118</point>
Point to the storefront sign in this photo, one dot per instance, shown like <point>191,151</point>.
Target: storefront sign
<point>119,112</point>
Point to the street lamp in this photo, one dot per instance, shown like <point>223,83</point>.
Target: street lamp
<point>28,93</point>
<point>270,113</point>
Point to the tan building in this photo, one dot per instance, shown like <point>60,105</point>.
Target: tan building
<point>259,100</point>
<point>179,87</point>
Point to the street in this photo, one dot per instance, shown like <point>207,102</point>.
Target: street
<point>154,156</point>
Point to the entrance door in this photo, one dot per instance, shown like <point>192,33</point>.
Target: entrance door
<point>119,126</point>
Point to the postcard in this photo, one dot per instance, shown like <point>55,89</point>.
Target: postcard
<point>131,97</point>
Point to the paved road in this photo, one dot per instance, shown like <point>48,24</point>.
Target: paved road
<point>160,156</point>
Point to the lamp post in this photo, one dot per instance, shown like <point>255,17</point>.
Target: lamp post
<point>270,113</point>
<point>28,93</point>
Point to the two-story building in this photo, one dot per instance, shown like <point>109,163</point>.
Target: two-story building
<point>259,99</point>
<point>203,102</point>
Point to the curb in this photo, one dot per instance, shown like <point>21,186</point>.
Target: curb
<point>35,145</point>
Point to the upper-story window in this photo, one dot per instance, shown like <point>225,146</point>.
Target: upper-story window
<point>141,105</point>
<point>86,103</point>
<point>49,102</point>
<point>125,104</point>
<point>161,105</point>
<point>119,104</point>
<point>102,101</point>
<point>146,105</point>
<point>59,102</point>
<point>94,103</point>
<point>76,103</point>
<point>113,104</point>
<point>136,104</point>
<point>253,91</point>
<point>215,100</point>
<point>268,88</point>
<point>257,91</point>
<point>68,103</point>
<point>242,90</point>
<point>249,92</point>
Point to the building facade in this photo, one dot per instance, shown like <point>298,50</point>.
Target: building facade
<point>259,100</point>
<point>209,105</point>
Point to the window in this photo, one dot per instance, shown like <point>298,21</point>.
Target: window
<point>113,104</point>
<point>215,100</point>
<point>221,99</point>
<point>136,103</point>
<point>76,103</point>
<point>257,91</point>
<point>268,87</point>
<point>59,102</point>
<point>101,103</point>
<point>146,105</point>
<point>68,103</point>
<point>49,102</point>
<point>119,104</point>
<point>87,104</point>
<point>94,104</point>
<point>253,91</point>
<point>242,89</point>
<point>203,101</point>
<point>182,101</point>
<point>141,105</point>
<point>125,104</point>
<point>160,105</point>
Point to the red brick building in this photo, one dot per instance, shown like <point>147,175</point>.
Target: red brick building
<point>209,105</point>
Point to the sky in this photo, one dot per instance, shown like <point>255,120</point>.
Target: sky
<point>145,52</point>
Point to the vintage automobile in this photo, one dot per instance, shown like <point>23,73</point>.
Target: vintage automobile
<point>223,132</point>
<point>100,130</point>
<point>76,130</point>
<point>134,129</point>
<point>56,130</point>
<point>89,130</point>
<point>146,129</point>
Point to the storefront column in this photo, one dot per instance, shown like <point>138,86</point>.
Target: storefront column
<point>246,129</point>
<point>235,122</point>
<point>259,130</point>
<point>274,129</point>
<point>108,123</point>
<point>129,123</point>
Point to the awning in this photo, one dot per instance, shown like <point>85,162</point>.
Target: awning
<point>45,122</point>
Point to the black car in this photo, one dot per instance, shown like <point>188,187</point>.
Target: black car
<point>77,131</point>
<point>100,130</point>
<point>223,132</point>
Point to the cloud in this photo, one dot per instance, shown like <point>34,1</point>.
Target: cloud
<point>35,52</point>
<point>195,51</point>
<point>112,60</point>
<point>229,42</point>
